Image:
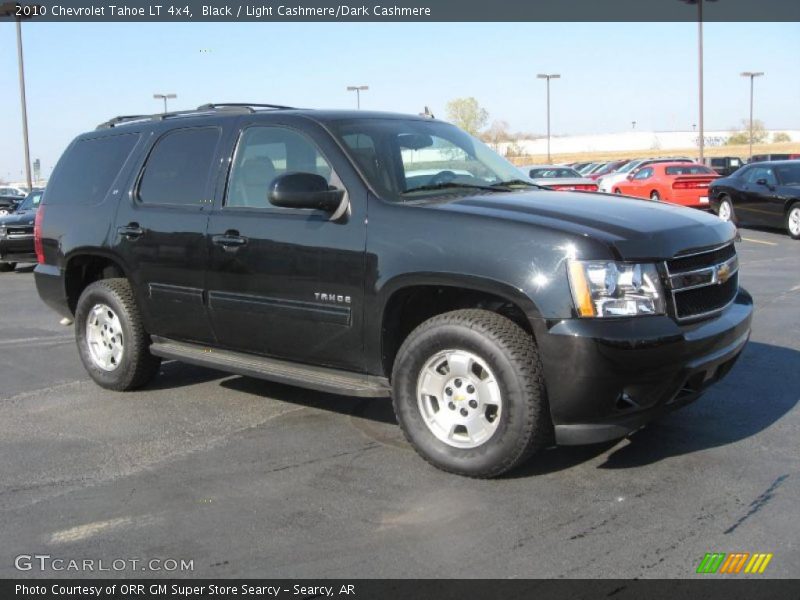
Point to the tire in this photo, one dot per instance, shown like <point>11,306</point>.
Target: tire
<point>793,221</point>
<point>114,351</point>
<point>502,352</point>
<point>726,213</point>
<point>617,191</point>
<point>655,196</point>
<point>5,267</point>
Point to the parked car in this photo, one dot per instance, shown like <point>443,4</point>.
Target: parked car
<point>607,183</point>
<point>724,165</point>
<point>500,317</point>
<point>764,193</point>
<point>559,178</point>
<point>10,190</point>
<point>16,233</point>
<point>608,168</point>
<point>771,157</point>
<point>586,169</point>
<point>8,204</point>
<point>578,165</point>
<point>678,183</point>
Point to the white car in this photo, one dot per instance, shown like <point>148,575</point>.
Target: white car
<point>10,190</point>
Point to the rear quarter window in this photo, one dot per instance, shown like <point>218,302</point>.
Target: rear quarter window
<point>88,168</point>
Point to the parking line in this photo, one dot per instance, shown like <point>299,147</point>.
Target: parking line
<point>760,242</point>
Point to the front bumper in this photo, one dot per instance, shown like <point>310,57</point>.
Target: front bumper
<point>17,249</point>
<point>607,378</point>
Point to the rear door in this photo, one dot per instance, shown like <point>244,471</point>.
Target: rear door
<point>754,204</point>
<point>287,282</point>
<point>161,229</point>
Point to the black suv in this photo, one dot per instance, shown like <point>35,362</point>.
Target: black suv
<point>375,254</point>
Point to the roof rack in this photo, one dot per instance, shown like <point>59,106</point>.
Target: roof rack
<point>204,108</point>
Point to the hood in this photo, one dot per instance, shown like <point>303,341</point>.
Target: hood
<point>25,217</point>
<point>633,228</point>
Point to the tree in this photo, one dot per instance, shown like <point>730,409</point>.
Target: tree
<point>742,136</point>
<point>497,134</point>
<point>781,136</point>
<point>467,114</point>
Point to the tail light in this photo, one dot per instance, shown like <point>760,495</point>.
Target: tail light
<point>578,187</point>
<point>37,235</point>
<point>690,185</point>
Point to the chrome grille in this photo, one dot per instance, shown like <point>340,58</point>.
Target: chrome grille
<point>703,283</point>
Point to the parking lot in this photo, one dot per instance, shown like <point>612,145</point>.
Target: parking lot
<point>249,478</point>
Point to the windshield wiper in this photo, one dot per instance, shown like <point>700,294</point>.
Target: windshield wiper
<point>454,185</point>
<point>516,182</point>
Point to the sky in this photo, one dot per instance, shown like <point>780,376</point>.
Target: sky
<point>80,74</point>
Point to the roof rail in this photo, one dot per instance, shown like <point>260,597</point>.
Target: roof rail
<point>205,108</point>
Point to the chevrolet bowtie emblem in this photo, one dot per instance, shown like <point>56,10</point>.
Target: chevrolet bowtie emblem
<point>723,273</point>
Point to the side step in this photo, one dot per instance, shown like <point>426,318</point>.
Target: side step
<point>316,378</point>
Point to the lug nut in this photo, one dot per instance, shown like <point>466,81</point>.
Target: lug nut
<point>458,383</point>
<point>471,389</point>
<point>451,406</point>
<point>448,391</point>
<point>464,412</point>
<point>473,404</point>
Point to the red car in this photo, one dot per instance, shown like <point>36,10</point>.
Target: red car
<point>679,183</point>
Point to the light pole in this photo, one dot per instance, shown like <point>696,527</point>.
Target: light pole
<point>165,97</point>
<point>701,139</point>
<point>633,124</point>
<point>357,89</point>
<point>548,77</point>
<point>752,75</point>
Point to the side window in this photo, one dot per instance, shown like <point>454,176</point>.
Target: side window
<point>178,168</point>
<point>264,153</point>
<point>86,171</point>
<point>644,173</point>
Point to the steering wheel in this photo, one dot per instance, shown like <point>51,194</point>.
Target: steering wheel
<point>442,177</point>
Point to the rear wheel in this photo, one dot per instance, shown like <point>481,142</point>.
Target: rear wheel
<point>113,345</point>
<point>7,266</point>
<point>654,195</point>
<point>725,210</point>
<point>793,221</point>
<point>469,394</point>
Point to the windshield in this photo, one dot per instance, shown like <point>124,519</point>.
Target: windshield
<point>31,201</point>
<point>412,159</point>
<point>556,173</point>
<point>631,165</point>
<point>789,174</point>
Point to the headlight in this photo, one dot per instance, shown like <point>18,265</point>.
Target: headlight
<point>612,289</point>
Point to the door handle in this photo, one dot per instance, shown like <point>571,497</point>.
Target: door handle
<point>230,240</point>
<point>131,231</point>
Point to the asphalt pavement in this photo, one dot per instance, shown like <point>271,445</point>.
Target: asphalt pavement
<point>247,478</point>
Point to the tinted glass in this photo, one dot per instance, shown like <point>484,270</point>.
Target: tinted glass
<point>32,201</point>
<point>178,168</point>
<point>688,170</point>
<point>263,154</point>
<point>553,173</point>
<point>644,173</point>
<point>86,171</point>
<point>789,174</point>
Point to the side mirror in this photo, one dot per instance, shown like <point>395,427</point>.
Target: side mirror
<point>304,190</point>
<point>629,177</point>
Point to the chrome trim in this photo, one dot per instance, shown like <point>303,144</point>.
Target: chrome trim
<point>714,270</point>
<point>706,251</point>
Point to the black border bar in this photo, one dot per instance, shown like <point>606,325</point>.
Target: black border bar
<point>402,10</point>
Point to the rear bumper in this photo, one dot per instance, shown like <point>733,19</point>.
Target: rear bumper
<point>50,285</point>
<point>606,379</point>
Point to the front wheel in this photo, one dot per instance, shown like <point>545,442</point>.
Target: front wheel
<point>725,210</point>
<point>793,221</point>
<point>469,394</point>
<point>5,267</point>
<point>113,345</point>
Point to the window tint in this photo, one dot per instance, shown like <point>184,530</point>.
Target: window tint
<point>789,174</point>
<point>263,154</point>
<point>644,173</point>
<point>757,173</point>
<point>688,170</point>
<point>553,173</point>
<point>86,171</point>
<point>178,168</point>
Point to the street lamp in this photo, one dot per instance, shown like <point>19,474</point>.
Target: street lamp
<point>700,68</point>
<point>752,75</point>
<point>165,97</point>
<point>357,89</point>
<point>548,77</point>
<point>633,124</point>
<point>6,10</point>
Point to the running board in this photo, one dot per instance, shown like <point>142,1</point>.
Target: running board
<point>323,379</point>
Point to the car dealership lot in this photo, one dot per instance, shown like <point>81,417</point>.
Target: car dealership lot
<point>251,478</point>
